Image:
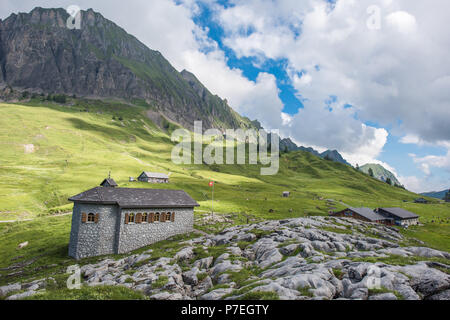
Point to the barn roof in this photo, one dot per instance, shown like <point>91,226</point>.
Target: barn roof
<point>155,175</point>
<point>110,182</point>
<point>136,198</point>
<point>401,213</point>
<point>368,214</point>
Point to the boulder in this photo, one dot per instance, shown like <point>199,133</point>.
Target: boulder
<point>266,252</point>
<point>204,263</point>
<point>359,294</point>
<point>236,251</point>
<point>288,250</point>
<point>283,293</point>
<point>22,295</point>
<point>185,254</point>
<point>248,237</point>
<point>204,286</point>
<point>190,277</point>
<point>223,278</point>
<point>428,252</point>
<point>444,295</point>
<point>222,258</point>
<point>225,266</point>
<point>427,281</point>
<point>5,290</point>
<point>383,296</point>
<point>166,296</point>
<point>216,294</point>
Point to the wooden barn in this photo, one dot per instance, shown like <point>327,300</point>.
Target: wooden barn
<point>400,216</point>
<point>421,200</point>
<point>153,177</point>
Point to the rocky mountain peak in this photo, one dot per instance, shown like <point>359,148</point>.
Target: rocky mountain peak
<point>38,53</point>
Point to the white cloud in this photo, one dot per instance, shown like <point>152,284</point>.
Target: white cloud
<point>430,181</point>
<point>425,184</point>
<point>286,119</point>
<point>398,76</point>
<point>402,21</point>
<point>400,72</point>
<point>427,162</point>
<point>413,183</point>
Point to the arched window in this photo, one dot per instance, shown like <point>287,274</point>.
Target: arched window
<point>168,216</point>
<point>144,217</point>
<point>131,218</point>
<point>91,217</point>
<point>157,217</point>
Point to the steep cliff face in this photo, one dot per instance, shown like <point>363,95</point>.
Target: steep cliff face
<point>39,53</point>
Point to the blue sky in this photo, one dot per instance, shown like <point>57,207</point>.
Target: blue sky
<point>373,84</point>
<point>250,66</point>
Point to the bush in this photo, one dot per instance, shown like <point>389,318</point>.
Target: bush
<point>60,98</point>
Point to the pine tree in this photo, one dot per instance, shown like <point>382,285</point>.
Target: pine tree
<point>371,172</point>
<point>389,181</point>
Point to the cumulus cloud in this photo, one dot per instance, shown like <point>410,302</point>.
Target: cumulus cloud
<point>397,76</point>
<point>402,21</point>
<point>427,162</point>
<point>425,184</point>
<point>398,72</point>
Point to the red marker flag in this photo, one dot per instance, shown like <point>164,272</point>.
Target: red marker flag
<point>211,183</point>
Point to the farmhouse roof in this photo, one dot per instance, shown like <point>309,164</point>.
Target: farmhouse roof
<point>155,175</point>
<point>136,198</point>
<point>368,214</point>
<point>401,213</point>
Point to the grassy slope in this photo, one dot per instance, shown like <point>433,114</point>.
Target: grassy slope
<point>75,150</point>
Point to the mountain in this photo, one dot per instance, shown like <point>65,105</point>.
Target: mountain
<point>38,53</point>
<point>380,173</point>
<point>288,145</point>
<point>333,155</point>
<point>436,194</point>
<point>310,150</point>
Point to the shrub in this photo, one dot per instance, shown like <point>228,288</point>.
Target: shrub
<point>60,98</point>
